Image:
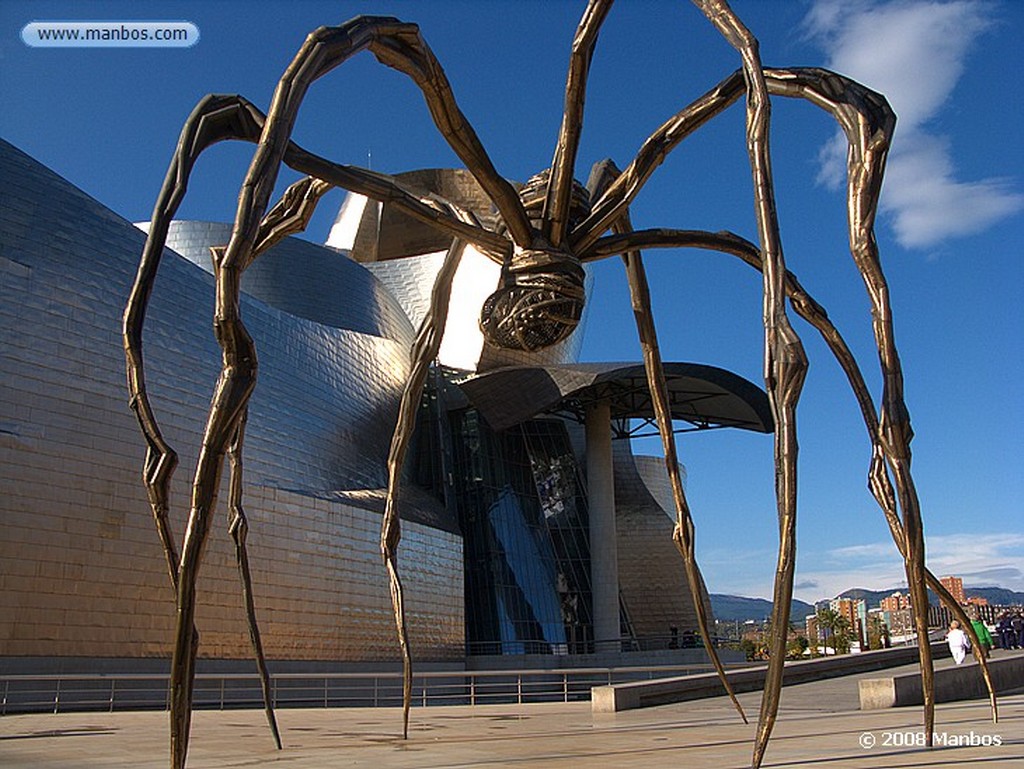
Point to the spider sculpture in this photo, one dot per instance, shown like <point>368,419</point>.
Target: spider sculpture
<point>545,234</point>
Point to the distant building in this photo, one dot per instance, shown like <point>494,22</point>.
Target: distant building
<point>855,611</point>
<point>876,625</point>
<point>941,616</point>
<point>900,622</point>
<point>976,600</point>
<point>813,636</point>
<point>896,602</point>
<point>955,586</point>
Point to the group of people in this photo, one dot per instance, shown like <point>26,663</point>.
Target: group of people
<point>1009,629</point>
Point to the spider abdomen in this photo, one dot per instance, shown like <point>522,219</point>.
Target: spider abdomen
<point>538,304</point>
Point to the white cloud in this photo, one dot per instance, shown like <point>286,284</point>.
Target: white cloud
<point>982,560</point>
<point>930,205</point>
<point>914,52</point>
<point>911,51</point>
<point>875,551</point>
<point>965,554</point>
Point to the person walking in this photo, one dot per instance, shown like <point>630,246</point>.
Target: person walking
<point>1017,626</point>
<point>984,639</point>
<point>958,643</point>
<point>1005,631</point>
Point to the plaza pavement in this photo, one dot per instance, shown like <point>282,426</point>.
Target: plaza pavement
<point>819,725</point>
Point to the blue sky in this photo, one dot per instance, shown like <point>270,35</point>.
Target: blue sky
<point>950,229</point>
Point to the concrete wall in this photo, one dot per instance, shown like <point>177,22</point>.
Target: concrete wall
<point>964,682</point>
<point>642,694</point>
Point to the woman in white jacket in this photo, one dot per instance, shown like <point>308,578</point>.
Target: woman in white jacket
<point>958,642</point>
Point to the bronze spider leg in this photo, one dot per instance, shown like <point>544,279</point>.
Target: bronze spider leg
<point>401,47</point>
<point>868,123</point>
<point>867,120</point>
<point>238,527</point>
<point>214,119</point>
<point>879,481</point>
<point>224,434</point>
<point>807,308</point>
<point>424,351</point>
<point>291,214</point>
<point>785,365</point>
<point>397,45</point>
<point>557,198</point>
<point>621,192</point>
<point>234,386</point>
<point>683,534</point>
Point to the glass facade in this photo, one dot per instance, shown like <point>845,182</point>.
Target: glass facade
<point>521,505</point>
<point>561,494</point>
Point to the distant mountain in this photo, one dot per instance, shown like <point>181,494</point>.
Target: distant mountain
<point>999,596</point>
<point>735,608</point>
<point>873,597</point>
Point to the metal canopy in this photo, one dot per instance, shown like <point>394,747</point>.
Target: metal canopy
<point>705,397</point>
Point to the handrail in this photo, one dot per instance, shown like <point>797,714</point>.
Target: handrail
<point>147,691</point>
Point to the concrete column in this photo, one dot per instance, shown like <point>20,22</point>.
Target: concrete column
<point>604,559</point>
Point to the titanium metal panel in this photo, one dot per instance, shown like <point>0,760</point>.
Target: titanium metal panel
<point>652,579</point>
<point>84,573</point>
<point>303,279</point>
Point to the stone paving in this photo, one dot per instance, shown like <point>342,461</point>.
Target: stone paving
<point>819,725</point>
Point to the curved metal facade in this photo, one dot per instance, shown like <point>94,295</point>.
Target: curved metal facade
<point>305,280</point>
<point>652,579</point>
<point>84,574</point>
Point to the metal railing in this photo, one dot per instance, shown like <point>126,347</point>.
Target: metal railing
<point>110,692</point>
<point>644,643</point>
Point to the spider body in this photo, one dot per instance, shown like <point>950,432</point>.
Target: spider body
<point>538,304</point>
<point>546,233</point>
<point>540,298</point>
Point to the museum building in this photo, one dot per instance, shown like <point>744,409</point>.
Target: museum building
<point>529,526</point>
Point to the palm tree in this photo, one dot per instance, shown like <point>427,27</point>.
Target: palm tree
<point>877,632</point>
<point>837,626</point>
